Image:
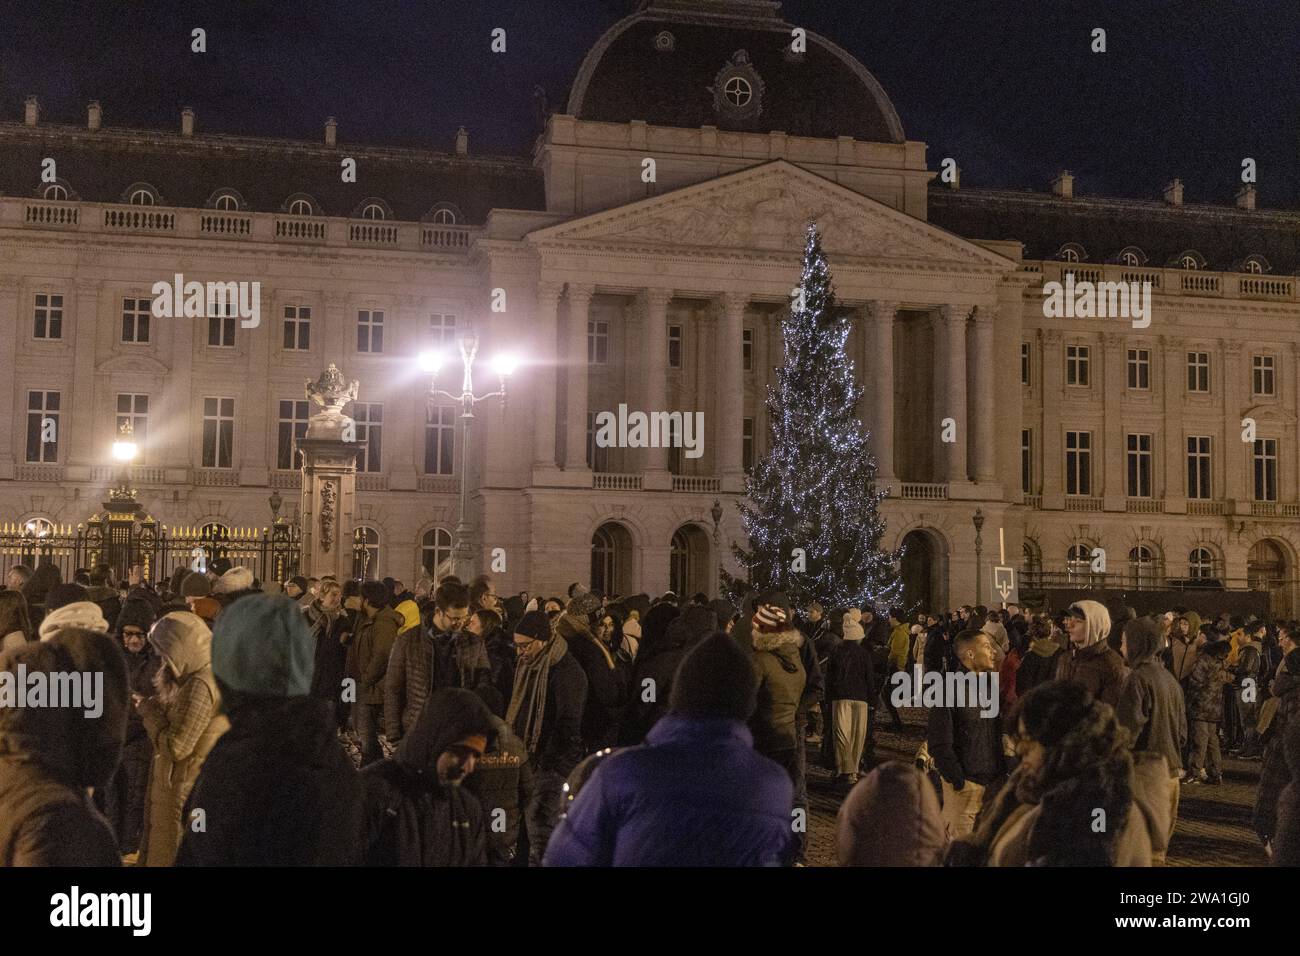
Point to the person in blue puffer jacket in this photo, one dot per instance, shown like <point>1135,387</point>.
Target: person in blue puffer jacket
<point>696,793</point>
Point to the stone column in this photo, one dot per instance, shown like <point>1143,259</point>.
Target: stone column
<point>544,372</point>
<point>329,465</point>
<point>951,346</point>
<point>1238,484</point>
<point>652,355</point>
<point>253,401</point>
<point>1050,438</point>
<point>86,439</point>
<point>730,394</point>
<point>9,324</point>
<point>986,417</point>
<point>575,438</point>
<point>881,339</point>
<point>1173,374</point>
<point>1114,446</point>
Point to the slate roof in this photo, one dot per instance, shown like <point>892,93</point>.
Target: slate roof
<point>186,171</point>
<point>1223,235</point>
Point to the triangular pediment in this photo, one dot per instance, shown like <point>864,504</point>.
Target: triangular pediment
<point>766,209</point>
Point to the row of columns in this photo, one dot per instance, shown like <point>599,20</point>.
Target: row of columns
<point>961,381</point>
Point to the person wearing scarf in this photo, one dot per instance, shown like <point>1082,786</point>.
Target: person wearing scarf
<point>607,678</point>
<point>545,712</point>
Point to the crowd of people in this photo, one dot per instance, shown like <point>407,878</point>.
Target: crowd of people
<point>325,722</point>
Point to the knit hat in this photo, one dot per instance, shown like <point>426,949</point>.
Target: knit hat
<point>136,612</point>
<point>62,595</point>
<point>772,609</point>
<point>196,585</point>
<point>715,679</point>
<point>300,582</point>
<point>583,604</point>
<point>83,615</point>
<point>536,625</point>
<point>262,645</point>
<point>852,629</point>
<point>236,579</point>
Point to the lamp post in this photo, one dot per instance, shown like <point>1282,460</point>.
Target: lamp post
<point>431,362</point>
<point>978,520</point>
<point>716,514</point>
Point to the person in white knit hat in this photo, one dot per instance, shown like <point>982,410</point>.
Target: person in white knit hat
<point>848,688</point>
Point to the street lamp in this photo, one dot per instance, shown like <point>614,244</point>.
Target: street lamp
<point>504,365</point>
<point>124,451</point>
<point>716,514</point>
<point>978,520</point>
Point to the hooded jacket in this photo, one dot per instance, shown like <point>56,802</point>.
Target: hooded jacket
<point>695,794</point>
<point>1205,686</point>
<point>81,615</point>
<point>891,818</point>
<point>1286,835</point>
<point>1098,667</point>
<point>1278,770</point>
<point>375,639</point>
<point>781,679</point>
<point>49,756</point>
<point>183,731</point>
<point>411,818</point>
<point>1151,705</point>
<point>1038,665</point>
<point>657,661</point>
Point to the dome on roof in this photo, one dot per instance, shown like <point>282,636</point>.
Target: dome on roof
<point>729,64</point>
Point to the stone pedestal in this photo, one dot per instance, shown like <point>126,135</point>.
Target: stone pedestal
<point>329,481</point>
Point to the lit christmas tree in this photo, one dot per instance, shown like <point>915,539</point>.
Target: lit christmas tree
<point>814,490</point>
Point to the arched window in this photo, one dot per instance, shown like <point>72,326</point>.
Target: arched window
<point>38,527</point>
<point>679,566</point>
<point>435,548</point>
<point>301,207</point>
<point>1130,257</point>
<point>1253,267</point>
<point>365,553</point>
<point>604,555</point>
<point>1078,561</point>
<point>1143,567</point>
<point>1200,563</point>
<point>140,197</point>
<point>1189,261</point>
<point>1031,560</point>
<point>1071,252</point>
<point>372,211</point>
<point>55,192</point>
<point>226,202</point>
<point>444,217</point>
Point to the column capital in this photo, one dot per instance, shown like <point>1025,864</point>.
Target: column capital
<point>581,293</point>
<point>549,290</point>
<point>1172,341</point>
<point>1050,336</point>
<point>986,315</point>
<point>84,286</point>
<point>336,299</point>
<point>652,298</point>
<point>882,310</point>
<point>732,303</point>
<point>1113,340</point>
<point>1230,346</point>
<point>951,314</point>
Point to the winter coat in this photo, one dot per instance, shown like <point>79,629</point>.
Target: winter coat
<point>891,818</point>
<point>502,780</point>
<point>49,756</point>
<point>695,794</point>
<point>375,639</point>
<point>964,745</point>
<point>848,673</point>
<point>608,680</point>
<point>183,731</point>
<point>657,661</point>
<point>1205,688</point>
<point>1145,831</point>
<point>408,681</point>
<point>900,642</point>
<point>1276,772</point>
<point>1183,656</point>
<point>460,659</point>
<point>938,651</point>
<point>140,670</point>
<point>781,680</point>
<point>1151,705</point>
<point>1098,667</point>
<point>814,677</point>
<point>331,654</point>
<point>411,818</point>
<point>1038,665</point>
<point>277,790</point>
<point>108,599</point>
<point>1007,678</point>
<point>1286,835</point>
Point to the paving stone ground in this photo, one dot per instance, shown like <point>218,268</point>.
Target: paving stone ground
<point>1213,827</point>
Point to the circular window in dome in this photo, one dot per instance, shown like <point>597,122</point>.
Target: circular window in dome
<point>665,42</point>
<point>738,89</point>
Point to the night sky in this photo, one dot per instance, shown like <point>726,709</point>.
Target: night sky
<point>1009,88</point>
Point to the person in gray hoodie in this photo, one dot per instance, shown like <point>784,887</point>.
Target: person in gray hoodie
<point>1151,706</point>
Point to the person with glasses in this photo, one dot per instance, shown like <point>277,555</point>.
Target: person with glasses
<point>411,676</point>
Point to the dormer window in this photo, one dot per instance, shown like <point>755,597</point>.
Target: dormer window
<point>444,217</point>
<point>444,214</point>
<point>1071,252</point>
<point>300,207</point>
<point>1256,265</point>
<point>1187,262</point>
<point>373,208</point>
<point>1190,260</point>
<point>227,203</point>
<point>372,211</point>
<point>738,89</point>
<point>1132,256</point>
<point>55,193</point>
<point>140,197</point>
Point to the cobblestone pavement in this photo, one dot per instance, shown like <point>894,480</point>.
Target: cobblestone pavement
<point>1213,826</point>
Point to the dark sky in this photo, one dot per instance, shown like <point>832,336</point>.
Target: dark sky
<point>1009,88</point>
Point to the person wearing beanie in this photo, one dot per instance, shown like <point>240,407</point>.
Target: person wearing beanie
<point>545,712</point>
<point>375,638</point>
<point>849,680</point>
<point>195,585</point>
<point>124,797</point>
<point>697,793</point>
<point>1091,660</point>
<point>891,818</point>
<point>657,662</point>
<point>781,678</point>
<point>184,721</point>
<point>277,789</point>
<point>1152,709</point>
<point>295,589</point>
<point>416,811</point>
<point>67,607</point>
<point>51,757</point>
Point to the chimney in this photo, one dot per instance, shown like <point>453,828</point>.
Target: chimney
<point>187,121</point>
<point>94,116</point>
<point>31,111</point>
<point>1063,185</point>
<point>462,142</point>
<point>1174,193</point>
<point>1246,197</point>
<point>331,132</point>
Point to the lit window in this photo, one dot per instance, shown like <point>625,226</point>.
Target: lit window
<point>133,410</point>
